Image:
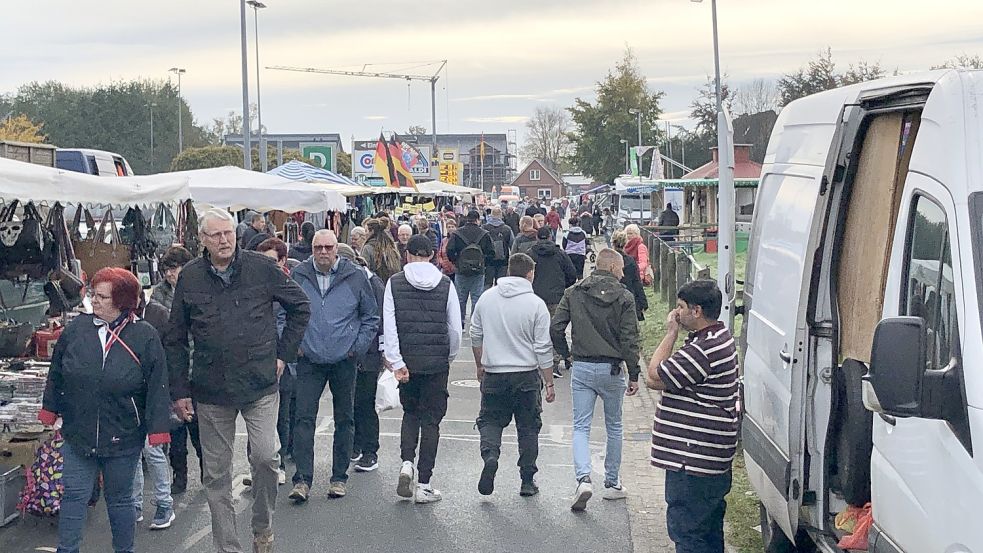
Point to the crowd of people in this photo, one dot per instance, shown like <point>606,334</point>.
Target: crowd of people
<point>257,330</point>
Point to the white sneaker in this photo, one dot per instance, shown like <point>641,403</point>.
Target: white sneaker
<point>425,493</point>
<point>615,492</point>
<point>583,494</point>
<point>407,476</point>
<point>281,476</point>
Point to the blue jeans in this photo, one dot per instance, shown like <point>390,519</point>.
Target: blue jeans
<point>588,381</point>
<point>695,514</point>
<point>468,286</point>
<point>79,476</point>
<point>160,471</point>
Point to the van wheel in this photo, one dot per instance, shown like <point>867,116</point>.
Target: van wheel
<point>774,539</point>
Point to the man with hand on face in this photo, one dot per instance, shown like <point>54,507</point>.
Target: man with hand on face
<point>694,436</point>
<point>601,313</point>
<point>422,322</point>
<point>224,301</point>
<point>344,321</point>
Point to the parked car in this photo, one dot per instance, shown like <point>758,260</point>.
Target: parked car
<point>92,162</point>
<point>862,343</point>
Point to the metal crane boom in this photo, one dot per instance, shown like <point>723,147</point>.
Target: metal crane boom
<point>432,79</point>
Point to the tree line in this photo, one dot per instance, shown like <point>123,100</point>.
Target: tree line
<point>589,136</point>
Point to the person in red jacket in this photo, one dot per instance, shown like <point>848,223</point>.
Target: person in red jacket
<point>553,220</point>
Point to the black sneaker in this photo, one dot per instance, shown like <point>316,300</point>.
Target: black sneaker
<point>486,484</point>
<point>529,488</point>
<point>367,463</point>
<point>557,373</point>
<point>356,455</point>
<point>179,486</point>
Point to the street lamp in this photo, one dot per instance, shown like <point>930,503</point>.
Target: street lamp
<point>725,190</point>
<point>151,105</point>
<point>627,168</point>
<point>257,5</point>
<point>180,131</point>
<point>247,158</point>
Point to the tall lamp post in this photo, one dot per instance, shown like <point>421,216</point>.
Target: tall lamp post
<point>627,168</point>
<point>180,130</point>
<point>247,158</point>
<point>725,189</point>
<point>152,105</point>
<point>257,5</point>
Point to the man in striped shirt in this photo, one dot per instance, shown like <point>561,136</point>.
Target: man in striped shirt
<point>694,437</point>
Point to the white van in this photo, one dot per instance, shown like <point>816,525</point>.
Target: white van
<point>863,353</point>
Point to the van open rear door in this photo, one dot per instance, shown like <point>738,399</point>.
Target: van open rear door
<point>788,221</point>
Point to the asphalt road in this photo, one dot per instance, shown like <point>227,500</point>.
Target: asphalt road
<point>372,518</point>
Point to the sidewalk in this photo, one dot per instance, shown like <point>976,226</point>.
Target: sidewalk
<point>646,498</point>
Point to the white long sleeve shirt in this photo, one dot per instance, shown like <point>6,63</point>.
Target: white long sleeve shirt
<point>422,276</point>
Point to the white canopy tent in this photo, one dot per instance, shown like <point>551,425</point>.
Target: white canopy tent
<point>27,182</point>
<point>236,189</point>
<point>444,189</point>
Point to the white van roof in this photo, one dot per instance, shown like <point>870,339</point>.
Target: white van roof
<point>950,146</point>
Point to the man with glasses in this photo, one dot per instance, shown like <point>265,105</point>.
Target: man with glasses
<point>224,302</point>
<point>344,322</point>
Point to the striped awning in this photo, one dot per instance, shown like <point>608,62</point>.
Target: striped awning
<point>298,170</point>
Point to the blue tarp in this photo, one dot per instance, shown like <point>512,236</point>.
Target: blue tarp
<point>298,170</point>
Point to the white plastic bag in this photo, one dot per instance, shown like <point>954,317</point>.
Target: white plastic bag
<point>387,393</point>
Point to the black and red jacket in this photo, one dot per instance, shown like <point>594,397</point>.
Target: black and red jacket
<point>108,406</point>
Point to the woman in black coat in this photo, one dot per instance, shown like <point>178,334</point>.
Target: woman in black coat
<point>631,280</point>
<point>108,383</point>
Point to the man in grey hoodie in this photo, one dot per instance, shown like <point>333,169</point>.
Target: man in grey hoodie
<point>510,336</point>
<point>344,321</point>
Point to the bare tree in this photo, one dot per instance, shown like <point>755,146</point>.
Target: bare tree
<point>755,97</point>
<point>962,60</point>
<point>547,137</point>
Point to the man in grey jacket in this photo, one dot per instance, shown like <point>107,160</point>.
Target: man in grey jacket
<point>510,336</point>
<point>344,321</point>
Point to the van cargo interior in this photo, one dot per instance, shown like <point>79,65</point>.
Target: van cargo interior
<point>870,204</point>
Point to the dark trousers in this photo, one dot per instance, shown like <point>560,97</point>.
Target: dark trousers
<point>424,399</point>
<point>508,395</point>
<point>311,380</point>
<point>178,451</point>
<point>695,516</point>
<point>366,419</point>
<point>287,416</point>
<point>578,264</point>
<point>493,273</point>
<point>79,475</point>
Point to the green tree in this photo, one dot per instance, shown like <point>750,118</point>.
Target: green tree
<point>597,151</point>
<point>704,106</point>
<point>961,61</point>
<point>820,74</point>
<point>113,117</point>
<point>206,157</point>
<point>343,163</point>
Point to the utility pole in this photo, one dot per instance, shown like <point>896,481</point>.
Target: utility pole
<point>264,163</point>
<point>152,105</point>
<point>247,154</point>
<point>180,131</point>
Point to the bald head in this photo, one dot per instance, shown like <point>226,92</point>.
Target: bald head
<point>611,261</point>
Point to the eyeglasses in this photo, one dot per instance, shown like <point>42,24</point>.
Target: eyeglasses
<point>94,296</point>
<point>323,248</point>
<point>229,235</point>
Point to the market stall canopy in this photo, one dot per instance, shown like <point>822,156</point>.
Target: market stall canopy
<point>236,188</point>
<point>442,188</point>
<point>632,185</point>
<point>744,166</point>
<point>28,182</point>
<point>300,171</point>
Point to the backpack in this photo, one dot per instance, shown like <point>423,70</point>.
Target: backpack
<point>471,262</point>
<point>44,488</point>
<point>498,238</point>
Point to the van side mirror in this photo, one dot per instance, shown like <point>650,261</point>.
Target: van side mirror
<point>898,361</point>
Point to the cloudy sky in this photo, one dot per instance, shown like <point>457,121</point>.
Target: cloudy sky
<point>505,56</point>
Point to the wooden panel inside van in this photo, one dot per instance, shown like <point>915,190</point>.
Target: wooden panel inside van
<point>870,221</point>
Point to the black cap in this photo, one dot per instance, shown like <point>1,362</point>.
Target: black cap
<point>420,246</point>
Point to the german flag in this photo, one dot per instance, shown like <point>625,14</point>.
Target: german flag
<point>383,163</point>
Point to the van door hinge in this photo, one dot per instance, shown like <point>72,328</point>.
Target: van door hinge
<point>826,375</point>
<point>795,489</point>
<point>823,185</point>
<point>822,329</point>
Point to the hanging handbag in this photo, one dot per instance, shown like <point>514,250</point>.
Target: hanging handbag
<point>27,244</point>
<point>104,249</point>
<point>162,229</point>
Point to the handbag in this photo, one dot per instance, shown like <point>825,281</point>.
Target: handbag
<point>97,253</point>
<point>25,245</point>
<point>162,229</point>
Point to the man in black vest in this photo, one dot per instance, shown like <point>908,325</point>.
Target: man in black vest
<point>422,321</point>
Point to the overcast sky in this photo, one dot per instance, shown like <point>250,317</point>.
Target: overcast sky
<point>505,56</point>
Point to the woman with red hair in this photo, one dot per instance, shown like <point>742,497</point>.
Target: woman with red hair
<point>108,383</point>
